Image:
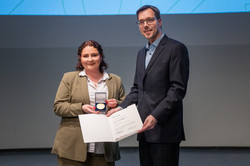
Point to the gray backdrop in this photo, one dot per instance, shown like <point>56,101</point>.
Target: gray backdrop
<point>35,51</point>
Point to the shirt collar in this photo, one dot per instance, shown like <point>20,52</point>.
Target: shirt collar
<point>105,75</point>
<point>155,43</point>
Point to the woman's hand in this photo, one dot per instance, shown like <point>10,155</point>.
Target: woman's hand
<point>112,103</point>
<point>89,109</point>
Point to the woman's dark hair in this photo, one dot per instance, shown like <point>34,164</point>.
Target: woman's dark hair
<point>155,9</point>
<point>103,65</point>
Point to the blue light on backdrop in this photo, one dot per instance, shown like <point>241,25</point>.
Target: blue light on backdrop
<point>118,7</point>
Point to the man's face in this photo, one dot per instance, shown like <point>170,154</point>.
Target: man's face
<point>150,31</point>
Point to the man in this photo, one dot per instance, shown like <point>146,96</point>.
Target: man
<point>160,83</point>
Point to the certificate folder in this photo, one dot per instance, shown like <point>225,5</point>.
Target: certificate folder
<point>120,125</point>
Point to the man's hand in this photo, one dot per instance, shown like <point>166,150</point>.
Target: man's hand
<point>110,112</point>
<point>149,124</point>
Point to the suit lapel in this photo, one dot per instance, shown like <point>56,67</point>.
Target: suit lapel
<point>83,87</point>
<point>156,54</point>
<point>140,66</point>
<point>154,57</point>
<point>110,88</point>
<point>143,60</point>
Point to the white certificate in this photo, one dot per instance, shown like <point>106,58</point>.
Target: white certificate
<point>120,125</point>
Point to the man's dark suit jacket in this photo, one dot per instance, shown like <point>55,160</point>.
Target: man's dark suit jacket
<point>159,90</point>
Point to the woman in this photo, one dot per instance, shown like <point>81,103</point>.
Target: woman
<point>75,96</point>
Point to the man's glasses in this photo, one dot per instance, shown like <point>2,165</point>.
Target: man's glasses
<point>148,21</point>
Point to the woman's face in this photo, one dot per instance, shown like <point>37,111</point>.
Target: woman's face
<point>90,59</point>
